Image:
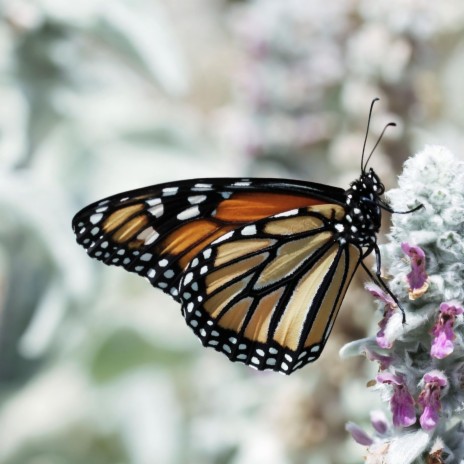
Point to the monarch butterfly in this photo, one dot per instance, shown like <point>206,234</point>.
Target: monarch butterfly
<point>260,266</point>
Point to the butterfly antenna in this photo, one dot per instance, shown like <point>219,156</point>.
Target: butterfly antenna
<point>390,124</point>
<point>367,133</point>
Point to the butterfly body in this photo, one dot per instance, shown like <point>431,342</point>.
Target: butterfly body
<point>363,213</point>
<point>260,266</point>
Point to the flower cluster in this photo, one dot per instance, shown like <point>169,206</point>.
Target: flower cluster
<point>419,344</point>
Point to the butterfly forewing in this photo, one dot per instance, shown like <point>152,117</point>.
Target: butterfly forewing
<point>157,231</point>
<point>267,294</point>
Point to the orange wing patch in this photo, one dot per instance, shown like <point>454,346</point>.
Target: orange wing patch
<point>116,219</point>
<point>189,239</point>
<point>252,206</point>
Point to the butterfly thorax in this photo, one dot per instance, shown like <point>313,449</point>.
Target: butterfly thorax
<point>363,214</point>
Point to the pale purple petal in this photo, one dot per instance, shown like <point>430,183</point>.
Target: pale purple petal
<point>401,402</point>
<point>429,399</point>
<point>437,377</point>
<point>388,377</point>
<point>443,330</point>
<point>359,435</point>
<point>429,418</point>
<point>381,337</point>
<point>417,278</point>
<point>379,422</point>
<point>383,360</point>
<point>389,308</point>
<point>442,345</point>
<point>451,308</point>
<point>379,294</point>
<point>402,406</point>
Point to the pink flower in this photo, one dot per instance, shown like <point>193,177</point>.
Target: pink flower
<point>382,339</point>
<point>443,333</point>
<point>359,435</point>
<point>383,360</point>
<point>379,422</point>
<point>429,399</point>
<point>418,279</point>
<point>402,402</point>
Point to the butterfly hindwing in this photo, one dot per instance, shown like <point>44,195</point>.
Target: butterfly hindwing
<point>267,294</point>
<point>157,231</point>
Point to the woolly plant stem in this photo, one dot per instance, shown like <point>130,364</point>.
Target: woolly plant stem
<point>421,362</point>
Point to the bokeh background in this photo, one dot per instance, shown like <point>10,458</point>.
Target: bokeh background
<point>99,97</point>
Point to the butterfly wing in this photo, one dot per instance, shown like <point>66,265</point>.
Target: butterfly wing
<point>267,294</point>
<point>157,231</point>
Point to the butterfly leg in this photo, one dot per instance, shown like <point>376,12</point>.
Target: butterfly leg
<point>388,208</point>
<point>377,278</point>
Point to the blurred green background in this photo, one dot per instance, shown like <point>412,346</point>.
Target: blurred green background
<point>97,97</point>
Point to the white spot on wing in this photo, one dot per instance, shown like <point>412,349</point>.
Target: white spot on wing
<point>292,212</point>
<point>249,230</point>
<point>149,235</point>
<point>157,210</point>
<point>168,191</point>
<point>224,237</point>
<point>196,199</point>
<point>95,218</point>
<point>146,257</point>
<point>242,184</point>
<point>163,262</point>
<point>188,278</point>
<point>189,213</point>
<point>153,201</point>
<point>203,185</point>
<point>207,253</point>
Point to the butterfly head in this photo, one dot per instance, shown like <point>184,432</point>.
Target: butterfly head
<point>371,182</point>
<point>368,187</point>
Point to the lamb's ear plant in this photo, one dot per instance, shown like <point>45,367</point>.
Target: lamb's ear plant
<point>420,362</point>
